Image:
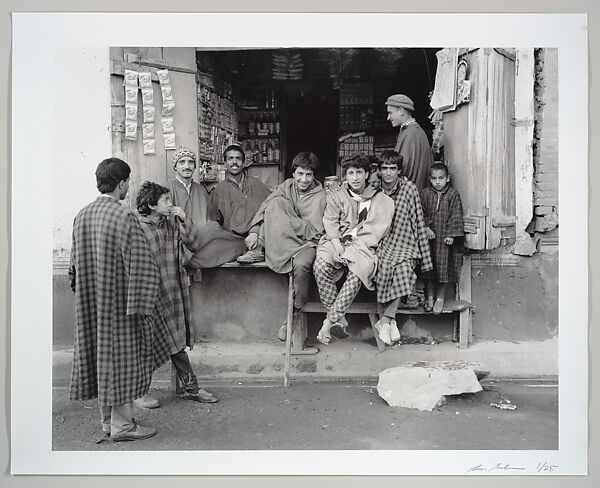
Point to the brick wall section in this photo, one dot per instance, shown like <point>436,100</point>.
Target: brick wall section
<point>545,147</point>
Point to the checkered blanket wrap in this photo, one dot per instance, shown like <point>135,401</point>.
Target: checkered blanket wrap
<point>167,241</point>
<point>116,282</point>
<point>404,245</point>
<point>446,220</point>
<point>336,303</point>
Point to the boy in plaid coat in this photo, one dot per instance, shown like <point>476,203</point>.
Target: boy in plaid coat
<point>116,283</point>
<point>170,233</point>
<point>444,219</point>
<point>402,249</point>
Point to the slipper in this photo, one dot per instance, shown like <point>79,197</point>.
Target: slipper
<point>438,306</point>
<point>383,331</point>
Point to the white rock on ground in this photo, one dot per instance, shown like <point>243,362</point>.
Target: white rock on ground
<point>424,384</point>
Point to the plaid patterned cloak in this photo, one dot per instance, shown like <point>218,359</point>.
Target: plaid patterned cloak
<point>116,283</point>
<point>404,244</point>
<point>443,214</point>
<point>168,246</point>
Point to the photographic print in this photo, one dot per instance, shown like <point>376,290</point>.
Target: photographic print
<point>327,247</point>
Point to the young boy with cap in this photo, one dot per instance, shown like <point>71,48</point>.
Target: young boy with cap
<point>412,143</point>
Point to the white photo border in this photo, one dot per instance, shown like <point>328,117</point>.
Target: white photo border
<point>40,43</point>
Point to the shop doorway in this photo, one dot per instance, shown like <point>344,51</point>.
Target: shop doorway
<point>311,125</point>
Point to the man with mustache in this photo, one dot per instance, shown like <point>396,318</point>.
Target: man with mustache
<point>237,199</point>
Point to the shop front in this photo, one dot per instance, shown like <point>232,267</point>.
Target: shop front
<point>278,102</point>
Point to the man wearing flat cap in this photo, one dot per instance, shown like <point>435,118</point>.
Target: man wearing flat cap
<point>412,143</point>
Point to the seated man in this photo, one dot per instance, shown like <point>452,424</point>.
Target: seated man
<point>288,226</point>
<point>356,217</point>
<point>192,197</point>
<point>402,248</point>
<point>234,202</point>
<point>237,199</point>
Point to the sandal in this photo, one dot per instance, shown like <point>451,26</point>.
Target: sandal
<point>438,306</point>
<point>428,307</point>
<point>340,329</point>
<point>324,337</point>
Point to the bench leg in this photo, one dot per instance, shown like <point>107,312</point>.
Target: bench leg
<point>455,324</point>
<point>380,344</point>
<point>299,338</point>
<point>465,329</point>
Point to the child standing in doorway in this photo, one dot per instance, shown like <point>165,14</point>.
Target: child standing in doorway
<point>443,213</point>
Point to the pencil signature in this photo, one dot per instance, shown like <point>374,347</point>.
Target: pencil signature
<point>542,467</point>
<point>495,467</point>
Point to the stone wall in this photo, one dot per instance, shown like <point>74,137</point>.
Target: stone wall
<point>545,147</point>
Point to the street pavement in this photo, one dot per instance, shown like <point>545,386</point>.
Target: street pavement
<point>326,414</point>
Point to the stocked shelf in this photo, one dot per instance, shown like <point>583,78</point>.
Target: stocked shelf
<point>260,128</point>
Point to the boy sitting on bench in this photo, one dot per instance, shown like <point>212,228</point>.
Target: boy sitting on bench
<point>356,217</point>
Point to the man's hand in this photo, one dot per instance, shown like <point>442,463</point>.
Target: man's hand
<point>177,212</point>
<point>252,240</point>
<point>449,241</point>
<point>333,186</point>
<point>339,249</point>
<point>430,234</point>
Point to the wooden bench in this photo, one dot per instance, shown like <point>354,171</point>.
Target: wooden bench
<point>461,309</point>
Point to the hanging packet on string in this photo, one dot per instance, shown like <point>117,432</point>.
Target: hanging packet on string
<point>163,76</point>
<point>147,96</point>
<point>145,80</point>
<point>169,140</point>
<point>131,94</point>
<point>167,109</point>
<point>149,146</point>
<point>131,111</point>
<point>167,125</point>
<point>167,93</point>
<point>131,130</point>
<point>148,113</point>
<point>148,131</point>
<point>131,78</point>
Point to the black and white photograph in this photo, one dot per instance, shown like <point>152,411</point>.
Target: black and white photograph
<point>341,246</point>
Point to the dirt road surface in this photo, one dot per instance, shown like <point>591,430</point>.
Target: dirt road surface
<point>328,415</point>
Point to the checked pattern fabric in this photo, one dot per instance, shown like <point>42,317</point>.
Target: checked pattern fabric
<point>336,303</point>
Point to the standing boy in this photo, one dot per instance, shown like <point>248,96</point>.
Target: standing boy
<point>169,231</point>
<point>444,219</point>
<point>412,143</point>
<point>356,217</point>
<point>116,283</point>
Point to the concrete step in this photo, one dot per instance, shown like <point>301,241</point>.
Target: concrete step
<point>347,358</point>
